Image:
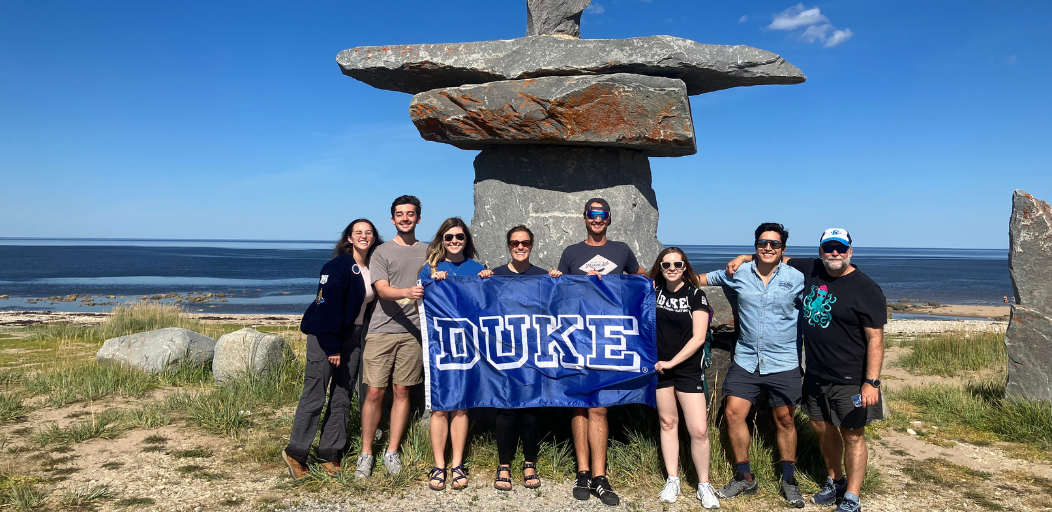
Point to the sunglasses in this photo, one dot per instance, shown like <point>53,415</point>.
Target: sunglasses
<point>678,265</point>
<point>597,214</point>
<point>830,248</point>
<point>525,243</point>
<point>775,244</point>
<point>449,237</point>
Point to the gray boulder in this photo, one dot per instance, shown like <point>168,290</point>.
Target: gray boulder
<point>1029,336</point>
<point>702,67</point>
<point>1029,344</point>
<point>153,351</point>
<point>247,352</point>
<point>645,113</point>
<point>545,187</point>
<point>1030,252</point>
<point>556,17</point>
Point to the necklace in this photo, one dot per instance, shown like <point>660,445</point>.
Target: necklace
<point>456,266</point>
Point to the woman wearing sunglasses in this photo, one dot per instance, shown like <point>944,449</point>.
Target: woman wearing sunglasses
<point>515,423</point>
<point>683,315</point>
<point>449,254</point>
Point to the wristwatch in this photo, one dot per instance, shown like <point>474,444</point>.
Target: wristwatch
<point>873,382</point>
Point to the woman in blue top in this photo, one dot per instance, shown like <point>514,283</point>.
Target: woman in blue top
<point>450,254</point>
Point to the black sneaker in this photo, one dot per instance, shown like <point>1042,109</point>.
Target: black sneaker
<point>582,487</point>
<point>602,490</point>
<point>737,487</point>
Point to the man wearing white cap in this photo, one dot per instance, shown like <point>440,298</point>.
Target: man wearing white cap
<point>842,325</point>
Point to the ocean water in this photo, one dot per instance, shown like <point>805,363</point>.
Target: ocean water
<point>260,276</point>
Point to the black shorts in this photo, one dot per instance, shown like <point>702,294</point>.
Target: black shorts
<point>684,382</point>
<point>783,388</point>
<point>828,401</point>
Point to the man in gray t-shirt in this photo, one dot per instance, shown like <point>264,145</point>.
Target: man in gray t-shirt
<point>392,353</point>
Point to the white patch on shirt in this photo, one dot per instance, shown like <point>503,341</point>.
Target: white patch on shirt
<point>324,279</point>
<point>599,264</point>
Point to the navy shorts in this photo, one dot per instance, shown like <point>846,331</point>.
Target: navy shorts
<point>783,388</point>
<point>684,382</point>
<point>828,401</point>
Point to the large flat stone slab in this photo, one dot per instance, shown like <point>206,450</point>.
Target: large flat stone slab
<point>649,114</point>
<point>1030,252</point>
<point>1029,344</point>
<point>702,67</point>
<point>545,187</point>
<point>555,17</point>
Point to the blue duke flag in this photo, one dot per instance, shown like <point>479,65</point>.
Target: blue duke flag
<point>534,341</point>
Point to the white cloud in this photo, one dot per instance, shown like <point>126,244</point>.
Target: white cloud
<point>796,17</point>
<point>743,19</point>
<point>839,36</point>
<point>1011,60</point>
<point>818,27</point>
<point>595,9</point>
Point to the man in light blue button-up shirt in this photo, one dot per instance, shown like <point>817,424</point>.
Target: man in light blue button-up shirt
<point>767,356</point>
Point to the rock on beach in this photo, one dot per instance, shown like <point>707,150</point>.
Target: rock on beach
<point>246,352</point>
<point>153,351</point>
<point>1029,337</point>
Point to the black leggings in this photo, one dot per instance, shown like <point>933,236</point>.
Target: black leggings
<point>510,424</point>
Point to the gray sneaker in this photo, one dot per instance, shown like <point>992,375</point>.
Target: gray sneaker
<point>364,467</point>
<point>393,463</point>
<point>792,493</point>
<point>737,486</point>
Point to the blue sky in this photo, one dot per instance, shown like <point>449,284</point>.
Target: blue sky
<point>232,120</point>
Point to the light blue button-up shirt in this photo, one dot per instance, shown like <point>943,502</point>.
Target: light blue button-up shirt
<point>766,317</point>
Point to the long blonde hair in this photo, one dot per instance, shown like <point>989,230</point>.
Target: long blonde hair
<point>436,251</point>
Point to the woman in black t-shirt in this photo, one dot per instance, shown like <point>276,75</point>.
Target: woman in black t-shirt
<point>683,315</point>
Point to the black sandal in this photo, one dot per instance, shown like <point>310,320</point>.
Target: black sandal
<point>459,473</point>
<point>499,479</point>
<point>437,475</point>
<point>530,481</point>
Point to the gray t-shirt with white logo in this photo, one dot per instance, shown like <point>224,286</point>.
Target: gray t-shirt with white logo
<point>609,258</point>
<point>399,266</point>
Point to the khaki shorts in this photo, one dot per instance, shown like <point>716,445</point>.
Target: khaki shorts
<point>397,358</point>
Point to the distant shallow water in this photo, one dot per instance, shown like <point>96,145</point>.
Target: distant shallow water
<point>275,277</point>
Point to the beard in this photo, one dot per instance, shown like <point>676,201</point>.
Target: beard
<point>835,264</point>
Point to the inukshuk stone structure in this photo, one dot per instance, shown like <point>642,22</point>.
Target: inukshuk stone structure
<point>1029,336</point>
<point>560,119</point>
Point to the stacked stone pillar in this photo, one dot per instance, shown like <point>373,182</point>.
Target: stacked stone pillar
<point>559,119</point>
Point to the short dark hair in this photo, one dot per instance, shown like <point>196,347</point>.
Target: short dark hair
<point>518,228</point>
<point>406,200</point>
<point>773,226</point>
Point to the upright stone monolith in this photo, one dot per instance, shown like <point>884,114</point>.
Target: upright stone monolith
<point>1029,336</point>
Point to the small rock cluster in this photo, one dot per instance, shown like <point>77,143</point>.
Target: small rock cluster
<point>240,353</point>
<point>559,119</point>
<point>1029,336</point>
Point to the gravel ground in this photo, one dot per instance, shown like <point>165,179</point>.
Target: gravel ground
<point>938,326</point>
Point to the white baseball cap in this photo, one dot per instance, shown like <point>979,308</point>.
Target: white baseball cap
<point>836,235</point>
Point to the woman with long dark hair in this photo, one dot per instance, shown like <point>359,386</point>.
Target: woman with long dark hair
<point>333,324</point>
<point>683,315</point>
<point>450,254</point>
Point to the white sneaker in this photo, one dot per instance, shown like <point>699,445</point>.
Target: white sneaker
<point>393,463</point>
<point>670,492</point>
<point>707,496</point>
<point>364,467</point>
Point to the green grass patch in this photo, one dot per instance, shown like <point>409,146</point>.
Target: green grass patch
<point>955,354</point>
<point>134,502</point>
<point>12,407</point>
<point>155,439</point>
<point>21,493</point>
<point>105,425</point>
<point>87,496</point>
<point>153,448</point>
<point>977,411</point>
<point>192,453</point>
<point>89,382</point>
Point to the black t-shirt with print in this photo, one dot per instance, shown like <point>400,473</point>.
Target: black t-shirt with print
<point>675,324</point>
<point>534,270</point>
<point>609,258</point>
<point>834,314</point>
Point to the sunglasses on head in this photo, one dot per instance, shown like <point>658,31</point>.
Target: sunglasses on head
<point>775,244</point>
<point>524,243</point>
<point>449,237</point>
<point>830,248</point>
<point>597,214</point>
<point>678,265</point>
